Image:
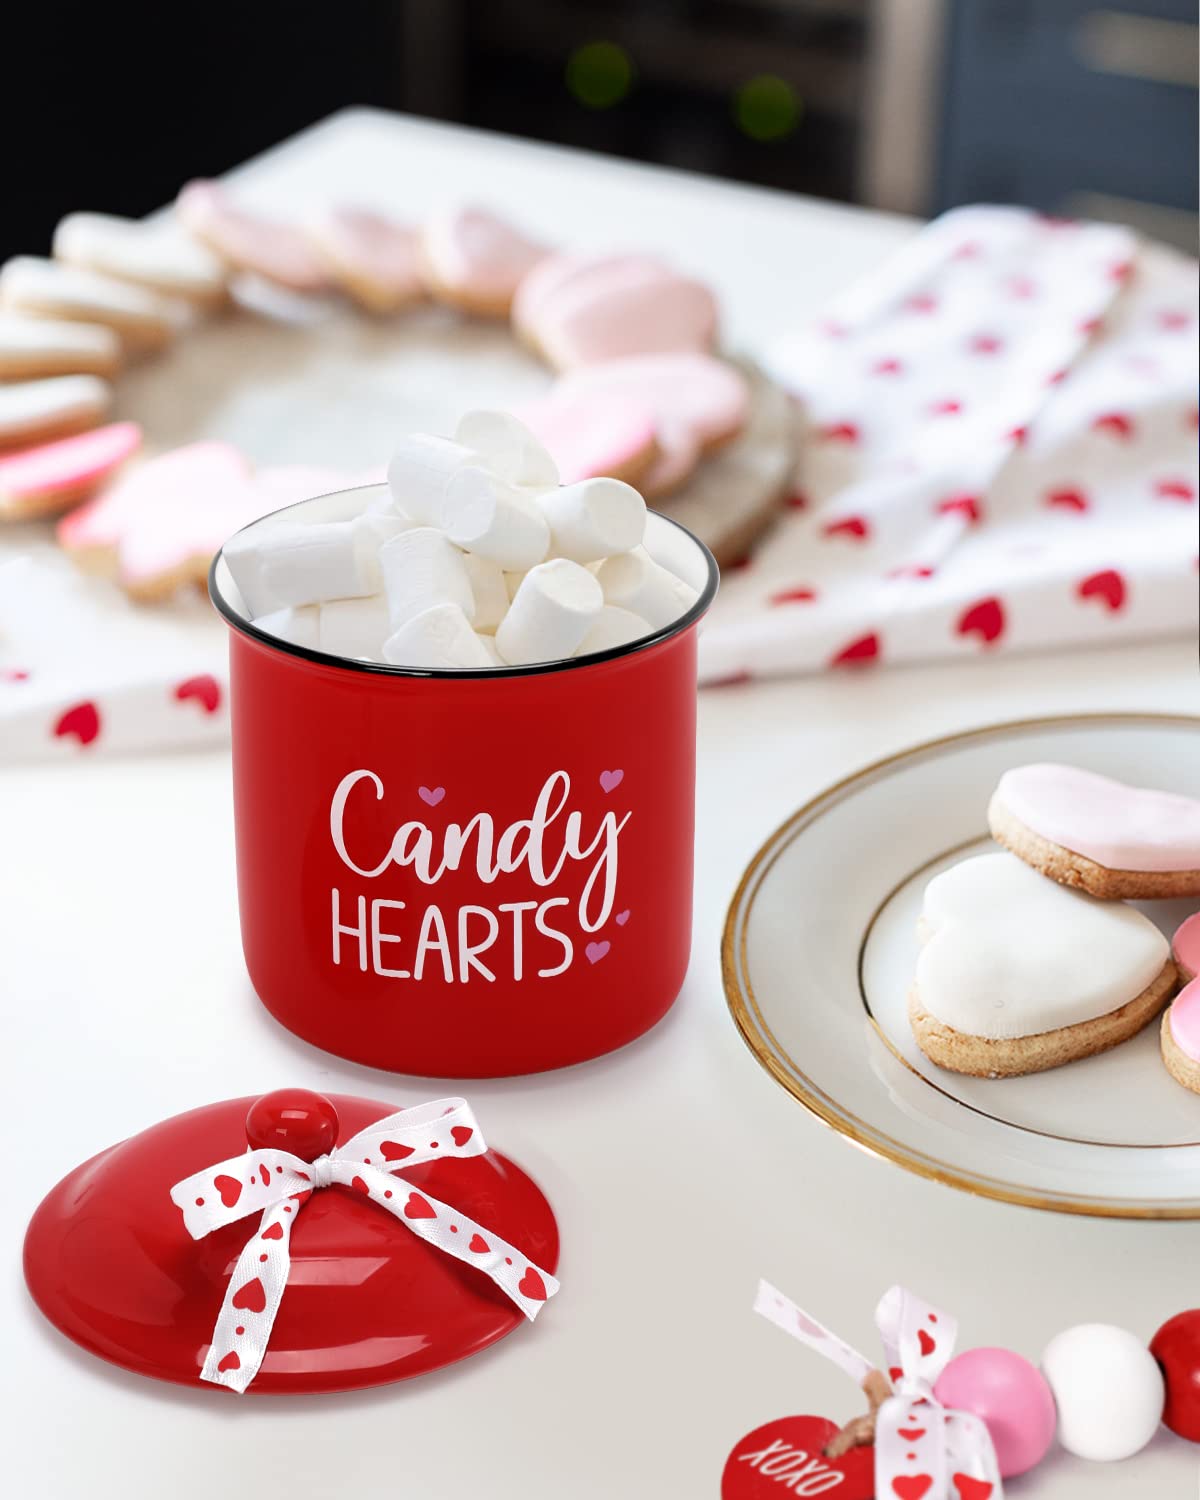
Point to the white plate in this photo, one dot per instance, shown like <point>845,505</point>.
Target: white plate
<point>820,947</point>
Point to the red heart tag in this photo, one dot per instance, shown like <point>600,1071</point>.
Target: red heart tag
<point>787,1457</point>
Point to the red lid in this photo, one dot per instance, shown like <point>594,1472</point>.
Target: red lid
<point>110,1263</point>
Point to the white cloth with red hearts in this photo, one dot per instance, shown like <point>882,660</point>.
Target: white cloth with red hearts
<point>278,1184</point>
<point>998,453</point>
<point>923,1450</point>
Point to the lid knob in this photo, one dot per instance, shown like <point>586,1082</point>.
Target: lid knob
<point>295,1120</point>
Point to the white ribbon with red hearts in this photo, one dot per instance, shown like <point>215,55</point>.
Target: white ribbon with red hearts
<point>923,1450</point>
<point>278,1184</point>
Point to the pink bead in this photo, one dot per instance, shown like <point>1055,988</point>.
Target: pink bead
<point>1013,1399</point>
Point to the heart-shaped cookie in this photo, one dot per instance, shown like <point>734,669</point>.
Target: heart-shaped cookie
<point>1018,974</point>
<point>1085,830</point>
<point>475,260</point>
<point>375,259</point>
<point>248,242</point>
<point>1180,1037</point>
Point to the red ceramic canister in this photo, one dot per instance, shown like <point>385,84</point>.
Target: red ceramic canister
<point>466,874</point>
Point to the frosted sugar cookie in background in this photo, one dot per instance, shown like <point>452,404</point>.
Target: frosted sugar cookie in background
<point>611,434</point>
<point>1185,947</point>
<point>52,477</point>
<point>474,260</point>
<point>32,347</point>
<point>369,256</point>
<point>32,411</point>
<point>1017,974</point>
<point>158,256</point>
<point>1115,841</point>
<point>586,310</point>
<point>249,242</point>
<point>143,320</point>
<point>1180,1037</point>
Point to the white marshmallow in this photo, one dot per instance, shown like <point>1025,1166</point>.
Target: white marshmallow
<point>493,519</point>
<point>372,530</point>
<point>245,555</point>
<point>594,519</point>
<point>437,639</point>
<point>614,627</point>
<point>305,562</point>
<point>355,627</point>
<point>419,472</point>
<point>634,581</point>
<point>299,626</point>
<point>488,642</point>
<point>421,569</point>
<point>554,608</point>
<point>508,448</point>
<point>489,589</point>
<point>512,582</point>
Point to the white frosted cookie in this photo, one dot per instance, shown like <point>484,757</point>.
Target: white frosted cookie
<point>157,256</point>
<point>32,411</point>
<point>1017,974</point>
<point>142,319</point>
<point>32,347</point>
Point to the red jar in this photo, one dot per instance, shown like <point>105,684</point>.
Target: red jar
<point>466,874</point>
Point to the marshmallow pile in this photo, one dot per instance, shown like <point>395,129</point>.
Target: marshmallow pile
<point>476,557</point>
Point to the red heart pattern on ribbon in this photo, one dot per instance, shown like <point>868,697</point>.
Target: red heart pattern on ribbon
<point>937,1454</point>
<point>276,1184</point>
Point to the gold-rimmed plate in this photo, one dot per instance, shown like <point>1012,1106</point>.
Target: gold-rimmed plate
<point>819,950</point>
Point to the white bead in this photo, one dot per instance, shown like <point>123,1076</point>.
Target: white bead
<point>489,589</point>
<point>421,468</point>
<point>421,568</point>
<point>614,627</point>
<point>634,581</point>
<point>309,562</point>
<point>1108,1388</point>
<point>355,627</point>
<point>554,608</point>
<point>508,448</point>
<point>594,519</point>
<point>484,515</point>
<point>299,626</point>
<point>438,639</point>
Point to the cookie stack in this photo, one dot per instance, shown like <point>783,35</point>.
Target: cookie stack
<point>641,394</point>
<point>1031,959</point>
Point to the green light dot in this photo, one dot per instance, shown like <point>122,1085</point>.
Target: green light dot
<point>599,74</point>
<point>766,108</point>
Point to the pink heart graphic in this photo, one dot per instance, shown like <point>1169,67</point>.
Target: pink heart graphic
<point>596,951</point>
<point>610,780</point>
<point>806,1325</point>
<point>622,917</point>
<point>431,795</point>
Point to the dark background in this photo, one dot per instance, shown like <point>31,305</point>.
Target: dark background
<point>114,108</point>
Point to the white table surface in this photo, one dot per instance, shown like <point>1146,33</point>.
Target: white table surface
<point>126,1000</point>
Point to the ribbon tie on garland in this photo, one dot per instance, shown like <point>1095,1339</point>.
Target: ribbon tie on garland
<point>278,1184</point>
<point>923,1450</point>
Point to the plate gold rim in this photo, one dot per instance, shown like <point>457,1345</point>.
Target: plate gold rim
<point>759,1039</point>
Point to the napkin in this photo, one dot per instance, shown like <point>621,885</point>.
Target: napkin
<point>999,436</point>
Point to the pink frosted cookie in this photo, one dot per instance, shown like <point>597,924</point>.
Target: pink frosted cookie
<point>158,526</point>
<point>1186,947</point>
<point>1180,1037</point>
<point>612,434</point>
<point>31,347</point>
<point>44,480</point>
<point>695,401</point>
<point>584,311</point>
<point>1114,841</point>
<point>248,242</point>
<point>475,261</point>
<point>375,260</point>
<point>32,411</point>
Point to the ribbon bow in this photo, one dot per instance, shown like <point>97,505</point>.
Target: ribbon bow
<point>279,1184</point>
<point>923,1451</point>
